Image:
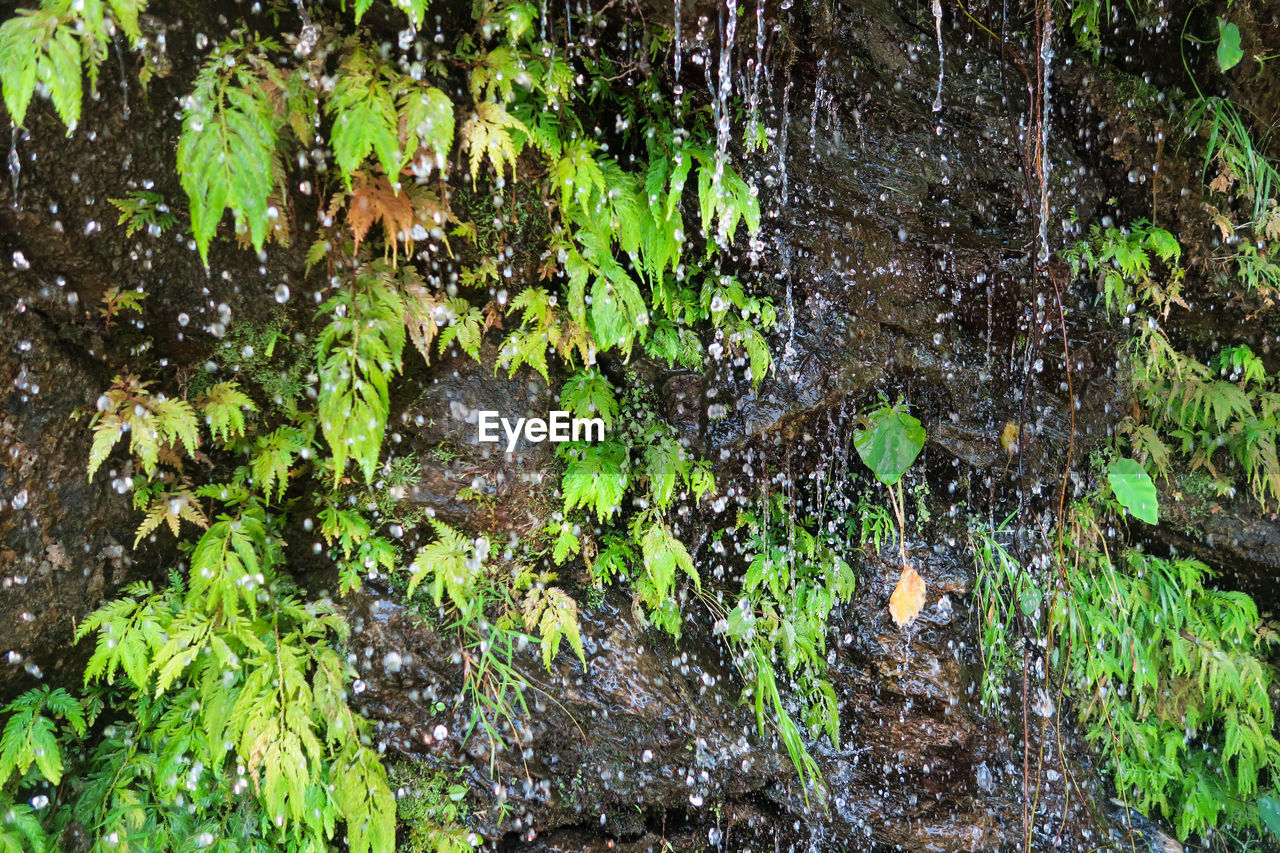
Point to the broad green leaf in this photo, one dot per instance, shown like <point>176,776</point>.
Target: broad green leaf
<point>890,444</point>
<point>1134,489</point>
<point>1229,51</point>
<point>1269,811</point>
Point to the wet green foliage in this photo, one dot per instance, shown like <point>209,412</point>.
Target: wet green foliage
<point>622,267</point>
<point>53,44</point>
<point>434,808</point>
<point>891,441</point>
<point>1171,682</point>
<point>794,579</point>
<point>224,681</point>
<point>1133,488</point>
<point>1222,412</point>
<point>641,457</point>
<point>1007,599</point>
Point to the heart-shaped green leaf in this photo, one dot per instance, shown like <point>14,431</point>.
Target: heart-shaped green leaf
<point>1229,50</point>
<point>1269,811</point>
<point>1029,600</point>
<point>1134,489</point>
<point>890,444</point>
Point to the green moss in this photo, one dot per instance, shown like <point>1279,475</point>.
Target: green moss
<point>433,810</point>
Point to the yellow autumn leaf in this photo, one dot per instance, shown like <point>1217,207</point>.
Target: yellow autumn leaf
<point>1011,437</point>
<point>908,597</point>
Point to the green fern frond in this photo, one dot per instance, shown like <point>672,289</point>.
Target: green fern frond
<point>365,121</point>
<point>224,406</point>
<point>227,150</point>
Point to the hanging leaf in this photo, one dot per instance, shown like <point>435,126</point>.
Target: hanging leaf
<point>890,444</point>
<point>1134,489</point>
<point>1229,51</point>
<point>908,597</point>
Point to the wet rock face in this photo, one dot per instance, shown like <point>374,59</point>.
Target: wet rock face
<point>897,251</point>
<point>899,255</point>
<point>651,733</point>
<point>58,559</point>
<point>473,483</point>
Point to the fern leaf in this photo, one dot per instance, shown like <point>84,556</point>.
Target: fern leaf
<point>588,394</point>
<point>426,114</point>
<point>359,350</point>
<point>453,565</point>
<point>345,527</point>
<point>38,46</point>
<point>486,136</point>
<point>29,736</point>
<point>416,10</point>
<point>126,13</point>
<point>664,555</point>
<point>465,327</point>
<point>227,150</point>
<point>554,615</point>
<point>107,431</point>
<point>171,508</point>
<point>224,406</point>
<point>595,477</point>
<point>274,457</point>
<point>175,421</point>
<point>364,115</point>
<point>579,176</point>
<point>365,800</point>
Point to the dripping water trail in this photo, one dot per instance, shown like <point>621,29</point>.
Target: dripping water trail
<point>15,162</point>
<point>784,139</point>
<point>937,26</point>
<point>1046,62</point>
<point>753,106</point>
<point>677,89</point>
<point>723,95</point>
<point>124,77</point>
<point>789,351</point>
<point>819,96</point>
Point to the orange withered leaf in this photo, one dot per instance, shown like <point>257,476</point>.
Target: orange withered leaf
<point>908,597</point>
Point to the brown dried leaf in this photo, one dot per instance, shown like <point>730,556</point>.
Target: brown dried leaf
<point>374,200</point>
<point>1271,225</point>
<point>1224,179</point>
<point>492,316</point>
<point>908,597</point>
<point>1225,225</point>
<point>421,309</point>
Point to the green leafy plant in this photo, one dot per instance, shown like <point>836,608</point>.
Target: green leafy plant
<point>1229,51</point>
<point>1171,682</point>
<point>1006,598</point>
<point>358,353</point>
<point>634,236</point>
<point>51,46</point>
<point>144,210</point>
<point>1205,411</point>
<point>434,808</point>
<point>229,642</point>
<point>888,444</point>
<point>793,580</point>
<point>642,457</point>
